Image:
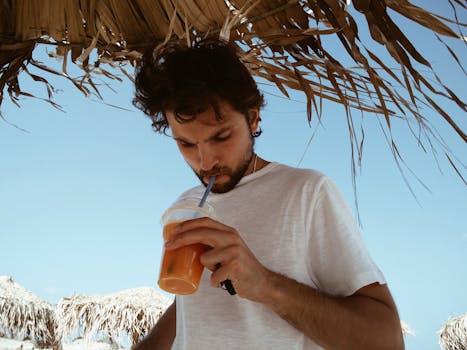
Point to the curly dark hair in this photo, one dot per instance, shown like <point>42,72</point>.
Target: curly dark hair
<point>190,80</point>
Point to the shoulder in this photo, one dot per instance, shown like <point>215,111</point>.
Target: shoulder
<point>307,179</point>
<point>279,169</point>
<point>302,186</point>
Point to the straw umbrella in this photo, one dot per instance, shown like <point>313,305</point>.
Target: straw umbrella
<point>287,42</point>
<point>406,329</point>
<point>130,313</point>
<point>25,316</point>
<point>453,334</point>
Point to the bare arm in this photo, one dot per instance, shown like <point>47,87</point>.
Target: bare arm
<point>367,319</point>
<point>162,335</point>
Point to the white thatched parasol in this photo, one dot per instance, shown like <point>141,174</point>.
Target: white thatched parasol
<point>406,329</point>
<point>24,315</point>
<point>453,334</point>
<point>78,344</point>
<point>127,314</point>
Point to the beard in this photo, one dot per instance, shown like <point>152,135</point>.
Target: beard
<point>235,175</point>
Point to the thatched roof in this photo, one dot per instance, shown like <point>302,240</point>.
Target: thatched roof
<point>453,334</point>
<point>127,314</point>
<point>24,315</point>
<point>318,47</point>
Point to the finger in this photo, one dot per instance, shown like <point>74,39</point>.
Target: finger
<point>207,236</point>
<point>220,275</point>
<point>213,258</point>
<point>192,224</point>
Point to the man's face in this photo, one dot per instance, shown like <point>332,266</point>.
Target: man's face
<point>223,148</point>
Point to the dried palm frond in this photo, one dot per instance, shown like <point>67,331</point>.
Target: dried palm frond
<point>130,313</point>
<point>314,46</point>
<point>453,334</point>
<point>25,316</point>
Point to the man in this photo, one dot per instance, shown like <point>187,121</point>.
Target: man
<point>283,236</point>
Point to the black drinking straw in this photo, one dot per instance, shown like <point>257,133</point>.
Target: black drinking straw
<point>227,284</point>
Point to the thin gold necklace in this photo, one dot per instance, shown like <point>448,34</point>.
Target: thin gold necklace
<point>254,164</point>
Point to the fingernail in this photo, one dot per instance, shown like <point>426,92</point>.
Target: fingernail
<point>168,243</point>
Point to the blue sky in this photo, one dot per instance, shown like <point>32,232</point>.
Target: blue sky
<point>81,194</point>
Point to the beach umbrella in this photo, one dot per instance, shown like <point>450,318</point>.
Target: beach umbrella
<point>78,344</point>
<point>355,53</point>
<point>25,316</point>
<point>406,329</point>
<point>453,334</point>
<point>128,314</point>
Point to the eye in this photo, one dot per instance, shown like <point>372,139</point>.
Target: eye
<point>185,144</point>
<point>222,138</point>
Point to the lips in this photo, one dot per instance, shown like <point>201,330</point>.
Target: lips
<point>216,171</point>
<point>209,175</point>
<point>206,179</point>
<point>218,176</point>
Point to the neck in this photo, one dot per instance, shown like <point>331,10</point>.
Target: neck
<point>256,164</point>
<point>253,166</point>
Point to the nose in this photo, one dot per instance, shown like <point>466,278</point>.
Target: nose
<point>207,158</point>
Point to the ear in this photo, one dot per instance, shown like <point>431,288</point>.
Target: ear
<point>253,119</point>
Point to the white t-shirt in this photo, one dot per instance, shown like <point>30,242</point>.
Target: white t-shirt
<point>296,223</point>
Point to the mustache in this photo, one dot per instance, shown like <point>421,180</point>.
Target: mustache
<point>216,171</point>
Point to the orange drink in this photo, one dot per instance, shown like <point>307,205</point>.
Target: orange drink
<point>181,269</point>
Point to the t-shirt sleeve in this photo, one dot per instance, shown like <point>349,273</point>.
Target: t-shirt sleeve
<point>338,261</point>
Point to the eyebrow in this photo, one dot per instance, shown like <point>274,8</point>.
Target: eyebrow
<point>210,138</point>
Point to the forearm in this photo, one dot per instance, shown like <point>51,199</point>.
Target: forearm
<point>162,335</point>
<point>355,322</point>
